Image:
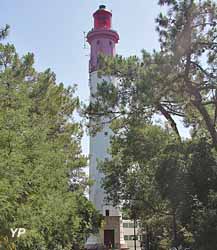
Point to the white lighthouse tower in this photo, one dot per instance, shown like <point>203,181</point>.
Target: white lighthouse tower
<point>102,39</point>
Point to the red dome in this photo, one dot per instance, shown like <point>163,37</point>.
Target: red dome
<point>102,18</point>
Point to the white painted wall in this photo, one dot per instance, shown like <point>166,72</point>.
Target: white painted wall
<point>99,145</point>
<point>129,233</point>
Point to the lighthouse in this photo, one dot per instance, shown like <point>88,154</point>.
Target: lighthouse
<point>102,39</point>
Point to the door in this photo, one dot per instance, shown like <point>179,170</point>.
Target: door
<point>109,238</point>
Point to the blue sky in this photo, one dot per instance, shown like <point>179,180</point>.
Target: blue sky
<point>53,31</point>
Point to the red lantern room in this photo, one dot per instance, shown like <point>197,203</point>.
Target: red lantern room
<point>102,18</point>
<point>102,38</point>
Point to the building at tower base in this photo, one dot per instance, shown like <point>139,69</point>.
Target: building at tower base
<point>109,236</point>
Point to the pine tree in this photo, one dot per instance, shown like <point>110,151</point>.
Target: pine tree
<point>42,182</point>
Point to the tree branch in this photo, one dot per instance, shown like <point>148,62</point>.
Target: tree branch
<point>169,118</point>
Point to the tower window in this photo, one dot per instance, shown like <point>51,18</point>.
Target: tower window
<point>98,42</point>
<point>106,212</point>
<point>110,43</point>
<point>126,237</point>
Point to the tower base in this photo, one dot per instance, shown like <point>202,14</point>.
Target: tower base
<point>109,237</point>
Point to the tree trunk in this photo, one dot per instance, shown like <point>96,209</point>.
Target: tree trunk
<point>208,121</point>
<point>147,238</point>
<point>169,118</point>
<point>175,243</point>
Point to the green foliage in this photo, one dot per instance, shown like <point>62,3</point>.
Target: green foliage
<point>4,31</point>
<point>130,177</point>
<point>42,183</point>
<point>163,183</point>
<point>204,223</point>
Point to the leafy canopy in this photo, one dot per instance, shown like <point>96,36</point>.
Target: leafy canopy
<point>42,183</point>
